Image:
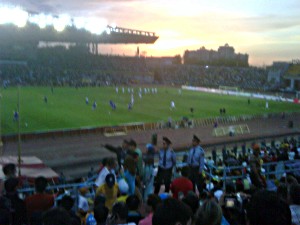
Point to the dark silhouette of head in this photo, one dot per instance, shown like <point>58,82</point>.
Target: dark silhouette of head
<point>100,213</point>
<point>266,208</point>
<point>56,216</point>
<point>133,202</point>
<point>9,170</point>
<point>40,184</point>
<point>171,212</point>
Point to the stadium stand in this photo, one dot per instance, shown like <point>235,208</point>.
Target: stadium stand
<point>228,173</point>
<point>230,178</point>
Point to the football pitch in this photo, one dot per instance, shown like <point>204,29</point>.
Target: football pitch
<point>66,107</point>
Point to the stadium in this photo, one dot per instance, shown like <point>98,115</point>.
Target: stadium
<point>61,102</point>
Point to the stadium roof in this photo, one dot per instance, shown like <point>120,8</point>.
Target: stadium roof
<point>33,33</point>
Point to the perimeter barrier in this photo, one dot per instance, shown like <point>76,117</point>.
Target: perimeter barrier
<point>272,169</point>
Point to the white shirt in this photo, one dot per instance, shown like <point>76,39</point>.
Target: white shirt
<point>101,177</point>
<point>83,203</point>
<point>172,104</point>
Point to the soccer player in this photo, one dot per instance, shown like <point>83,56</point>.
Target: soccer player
<point>172,105</point>
<point>112,105</point>
<point>132,99</point>
<point>129,106</point>
<point>16,115</point>
<point>94,105</point>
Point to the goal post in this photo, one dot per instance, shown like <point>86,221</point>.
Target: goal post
<point>228,88</point>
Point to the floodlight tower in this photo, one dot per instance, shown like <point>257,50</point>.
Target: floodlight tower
<point>1,143</point>
<point>19,133</point>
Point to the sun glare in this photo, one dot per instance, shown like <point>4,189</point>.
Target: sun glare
<point>61,22</point>
<point>96,26</point>
<point>41,20</point>
<point>79,22</point>
<point>19,17</point>
<point>14,16</point>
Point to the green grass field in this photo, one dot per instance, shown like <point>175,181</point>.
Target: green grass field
<point>66,107</point>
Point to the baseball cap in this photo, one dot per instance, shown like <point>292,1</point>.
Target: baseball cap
<point>110,180</point>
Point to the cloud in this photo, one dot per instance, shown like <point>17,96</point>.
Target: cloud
<point>58,6</point>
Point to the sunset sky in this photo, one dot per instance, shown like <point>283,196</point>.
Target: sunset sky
<point>267,30</point>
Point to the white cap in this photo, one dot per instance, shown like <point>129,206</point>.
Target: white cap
<point>123,186</point>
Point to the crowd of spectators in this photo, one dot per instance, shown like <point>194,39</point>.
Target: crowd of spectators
<point>75,66</point>
<point>119,192</point>
<point>249,78</point>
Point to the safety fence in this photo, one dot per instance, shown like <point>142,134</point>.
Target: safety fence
<point>143,126</point>
<point>277,169</point>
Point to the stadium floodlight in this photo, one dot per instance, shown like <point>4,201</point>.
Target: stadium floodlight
<point>107,30</point>
<point>96,26</point>
<point>41,20</point>
<point>19,17</point>
<point>14,15</point>
<point>4,15</point>
<point>113,25</point>
<point>79,22</point>
<point>61,22</point>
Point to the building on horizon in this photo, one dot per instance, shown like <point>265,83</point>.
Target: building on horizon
<point>225,56</point>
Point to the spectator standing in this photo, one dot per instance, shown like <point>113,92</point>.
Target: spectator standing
<point>255,167</point>
<point>167,160</point>
<point>214,155</point>
<point>39,202</point>
<point>295,203</point>
<point>108,168</point>
<point>110,190</point>
<point>83,204</point>
<point>120,151</point>
<point>9,170</point>
<point>130,174</point>
<point>152,202</point>
<point>196,164</point>
<point>16,208</point>
<point>133,147</point>
<point>148,174</point>
<point>182,184</point>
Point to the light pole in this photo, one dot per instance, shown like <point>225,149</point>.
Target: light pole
<point>1,143</point>
<point>19,134</point>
